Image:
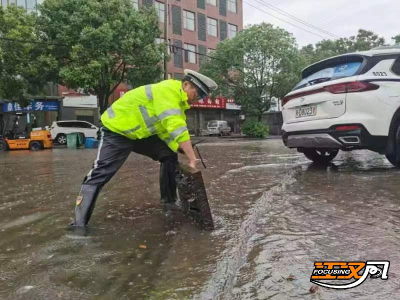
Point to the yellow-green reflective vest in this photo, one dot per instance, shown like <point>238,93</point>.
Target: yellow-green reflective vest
<point>156,109</point>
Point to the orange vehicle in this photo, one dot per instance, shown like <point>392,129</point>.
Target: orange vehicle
<point>38,140</point>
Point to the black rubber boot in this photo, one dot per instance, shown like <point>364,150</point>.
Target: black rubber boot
<point>168,179</point>
<point>85,204</point>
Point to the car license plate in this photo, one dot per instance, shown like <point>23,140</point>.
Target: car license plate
<point>306,111</point>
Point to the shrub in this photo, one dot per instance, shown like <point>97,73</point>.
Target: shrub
<point>255,129</point>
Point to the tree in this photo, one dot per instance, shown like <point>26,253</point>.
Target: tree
<point>396,39</point>
<point>363,41</point>
<point>101,44</point>
<point>23,66</point>
<point>259,64</point>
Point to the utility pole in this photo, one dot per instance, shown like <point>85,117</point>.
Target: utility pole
<point>166,38</point>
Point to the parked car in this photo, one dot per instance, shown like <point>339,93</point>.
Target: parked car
<point>218,127</point>
<point>347,102</point>
<point>60,129</point>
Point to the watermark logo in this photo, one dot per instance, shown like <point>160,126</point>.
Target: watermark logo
<point>348,274</point>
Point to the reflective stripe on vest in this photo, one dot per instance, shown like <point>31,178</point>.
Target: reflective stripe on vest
<point>169,112</point>
<point>149,121</point>
<point>178,131</point>
<point>131,130</point>
<point>168,140</point>
<point>149,93</point>
<point>111,113</point>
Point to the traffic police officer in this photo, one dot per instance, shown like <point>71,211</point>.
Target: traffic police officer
<point>149,120</point>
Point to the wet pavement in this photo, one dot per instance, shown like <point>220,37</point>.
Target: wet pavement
<point>275,214</point>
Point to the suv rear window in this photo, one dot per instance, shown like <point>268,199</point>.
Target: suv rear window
<point>329,70</point>
<point>65,124</point>
<point>396,66</point>
<point>82,125</point>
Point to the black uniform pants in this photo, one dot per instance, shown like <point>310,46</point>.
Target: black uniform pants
<point>114,149</point>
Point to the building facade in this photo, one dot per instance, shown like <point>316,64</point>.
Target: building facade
<point>29,5</point>
<point>198,26</point>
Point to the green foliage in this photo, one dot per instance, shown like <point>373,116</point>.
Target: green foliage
<point>255,129</point>
<point>23,66</point>
<point>396,39</point>
<point>363,41</point>
<point>103,43</point>
<point>261,63</point>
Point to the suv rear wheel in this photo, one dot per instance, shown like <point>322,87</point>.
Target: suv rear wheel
<point>394,157</point>
<point>320,156</point>
<point>61,139</point>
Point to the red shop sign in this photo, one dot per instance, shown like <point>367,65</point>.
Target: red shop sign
<point>210,103</point>
<point>120,93</point>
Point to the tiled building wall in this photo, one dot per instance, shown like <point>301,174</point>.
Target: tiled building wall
<point>178,35</point>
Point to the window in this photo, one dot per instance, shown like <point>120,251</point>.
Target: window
<point>135,4</point>
<point>232,6</point>
<point>396,67</point>
<point>212,2</point>
<point>169,75</point>
<point>178,76</point>
<point>190,56</point>
<point>30,4</point>
<point>212,27</point>
<point>232,31</point>
<point>161,41</point>
<point>210,51</point>
<point>188,20</point>
<point>21,3</point>
<point>4,3</point>
<point>83,125</point>
<point>66,124</point>
<point>160,10</point>
<point>329,70</point>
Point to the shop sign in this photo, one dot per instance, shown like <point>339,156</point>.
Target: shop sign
<point>211,103</point>
<point>35,105</point>
<point>84,101</point>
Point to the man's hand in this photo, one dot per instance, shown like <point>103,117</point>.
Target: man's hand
<point>193,164</point>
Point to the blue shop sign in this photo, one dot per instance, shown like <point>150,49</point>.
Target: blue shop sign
<point>35,105</point>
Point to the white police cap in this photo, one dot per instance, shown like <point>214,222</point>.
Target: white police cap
<point>202,82</point>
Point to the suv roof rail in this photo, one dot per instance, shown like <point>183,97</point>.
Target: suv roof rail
<point>388,47</point>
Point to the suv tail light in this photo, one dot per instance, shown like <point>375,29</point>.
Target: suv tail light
<point>340,88</point>
<point>351,87</point>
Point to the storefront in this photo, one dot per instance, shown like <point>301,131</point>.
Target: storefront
<point>212,109</point>
<point>79,107</point>
<point>39,113</point>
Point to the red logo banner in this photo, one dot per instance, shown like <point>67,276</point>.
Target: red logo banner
<point>211,103</point>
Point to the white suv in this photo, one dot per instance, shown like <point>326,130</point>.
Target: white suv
<point>59,130</point>
<point>347,102</point>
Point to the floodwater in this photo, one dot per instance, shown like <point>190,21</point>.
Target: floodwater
<point>275,214</point>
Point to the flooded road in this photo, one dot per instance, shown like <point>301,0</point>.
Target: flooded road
<point>275,214</point>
